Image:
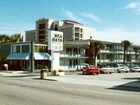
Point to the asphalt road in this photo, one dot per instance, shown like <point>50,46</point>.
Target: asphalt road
<point>24,91</point>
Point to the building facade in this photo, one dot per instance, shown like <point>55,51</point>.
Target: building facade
<point>34,52</point>
<point>24,56</point>
<point>74,54</point>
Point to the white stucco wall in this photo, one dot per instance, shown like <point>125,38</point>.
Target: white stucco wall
<point>88,32</point>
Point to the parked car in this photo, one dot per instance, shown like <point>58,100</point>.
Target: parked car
<point>107,69</point>
<point>121,68</point>
<point>90,69</point>
<point>84,66</point>
<point>134,68</point>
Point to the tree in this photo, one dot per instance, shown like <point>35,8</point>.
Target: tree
<point>90,54</point>
<point>93,51</point>
<point>97,47</point>
<point>4,38</point>
<point>16,38</point>
<point>13,38</point>
<point>126,44</point>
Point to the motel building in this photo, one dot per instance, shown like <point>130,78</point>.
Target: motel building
<point>61,45</point>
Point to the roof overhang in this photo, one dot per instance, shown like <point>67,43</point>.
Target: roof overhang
<point>26,56</point>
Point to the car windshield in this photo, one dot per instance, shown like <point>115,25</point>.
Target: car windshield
<point>118,65</point>
<point>91,66</point>
<point>121,65</point>
<point>132,66</point>
<point>106,66</point>
<point>85,65</point>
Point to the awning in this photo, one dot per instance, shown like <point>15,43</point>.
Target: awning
<point>26,56</point>
<point>18,56</point>
<point>42,56</point>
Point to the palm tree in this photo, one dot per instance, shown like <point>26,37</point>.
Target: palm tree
<point>126,44</point>
<point>16,38</point>
<point>93,51</point>
<point>13,38</point>
<point>97,47</point>
<point>4,38</point>
<point>90,54</point>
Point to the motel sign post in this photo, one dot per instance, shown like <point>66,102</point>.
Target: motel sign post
<point>55,44</point>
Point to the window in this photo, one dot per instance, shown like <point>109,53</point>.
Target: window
<point>25,48</point>
<point>56,27</point>
<point>68,50</point>
<point>70,62</point>
<point>81,30</point>
<point>41,49</point>
<point>75,50</point>
<point>81,35</point>
<point>41,32</point>
<point>77,39</point>
<point>17,49</point>
<point>41,26</point>
<point>62,62</point>
<point>13,49</point>
<point>42,37</point>
<point>77,35</point>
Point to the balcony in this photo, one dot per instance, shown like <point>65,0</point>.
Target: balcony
<point>104,51</point>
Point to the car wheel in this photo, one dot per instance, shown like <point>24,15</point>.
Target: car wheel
<point>83,73</point>
<point>119,71</point>
<point>93,73</point>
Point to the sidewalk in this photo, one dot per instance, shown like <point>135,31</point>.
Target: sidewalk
<point>17,74</point>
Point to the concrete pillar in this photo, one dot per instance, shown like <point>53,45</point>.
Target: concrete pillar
<point>32,57</point>
<point>55,60</point>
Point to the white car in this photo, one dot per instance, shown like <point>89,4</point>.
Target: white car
<point>135,68</point>
<point>121,68</point>
<point>107,69</point>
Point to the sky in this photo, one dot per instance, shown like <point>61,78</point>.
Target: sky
<point>113,20</point>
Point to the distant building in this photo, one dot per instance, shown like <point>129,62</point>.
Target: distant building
<point>31,36</point>
<point>75,31</point>
<point>71,30</point>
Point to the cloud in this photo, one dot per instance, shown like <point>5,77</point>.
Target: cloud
<point>133,6</point>
<point>92,17</point>
<point>116,34</point>
<point>72,16</point>
<point>83,17</point>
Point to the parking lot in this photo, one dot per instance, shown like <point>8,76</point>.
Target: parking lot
<point>103,80</point>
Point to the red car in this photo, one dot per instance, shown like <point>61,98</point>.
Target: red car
<point>91,70</point>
